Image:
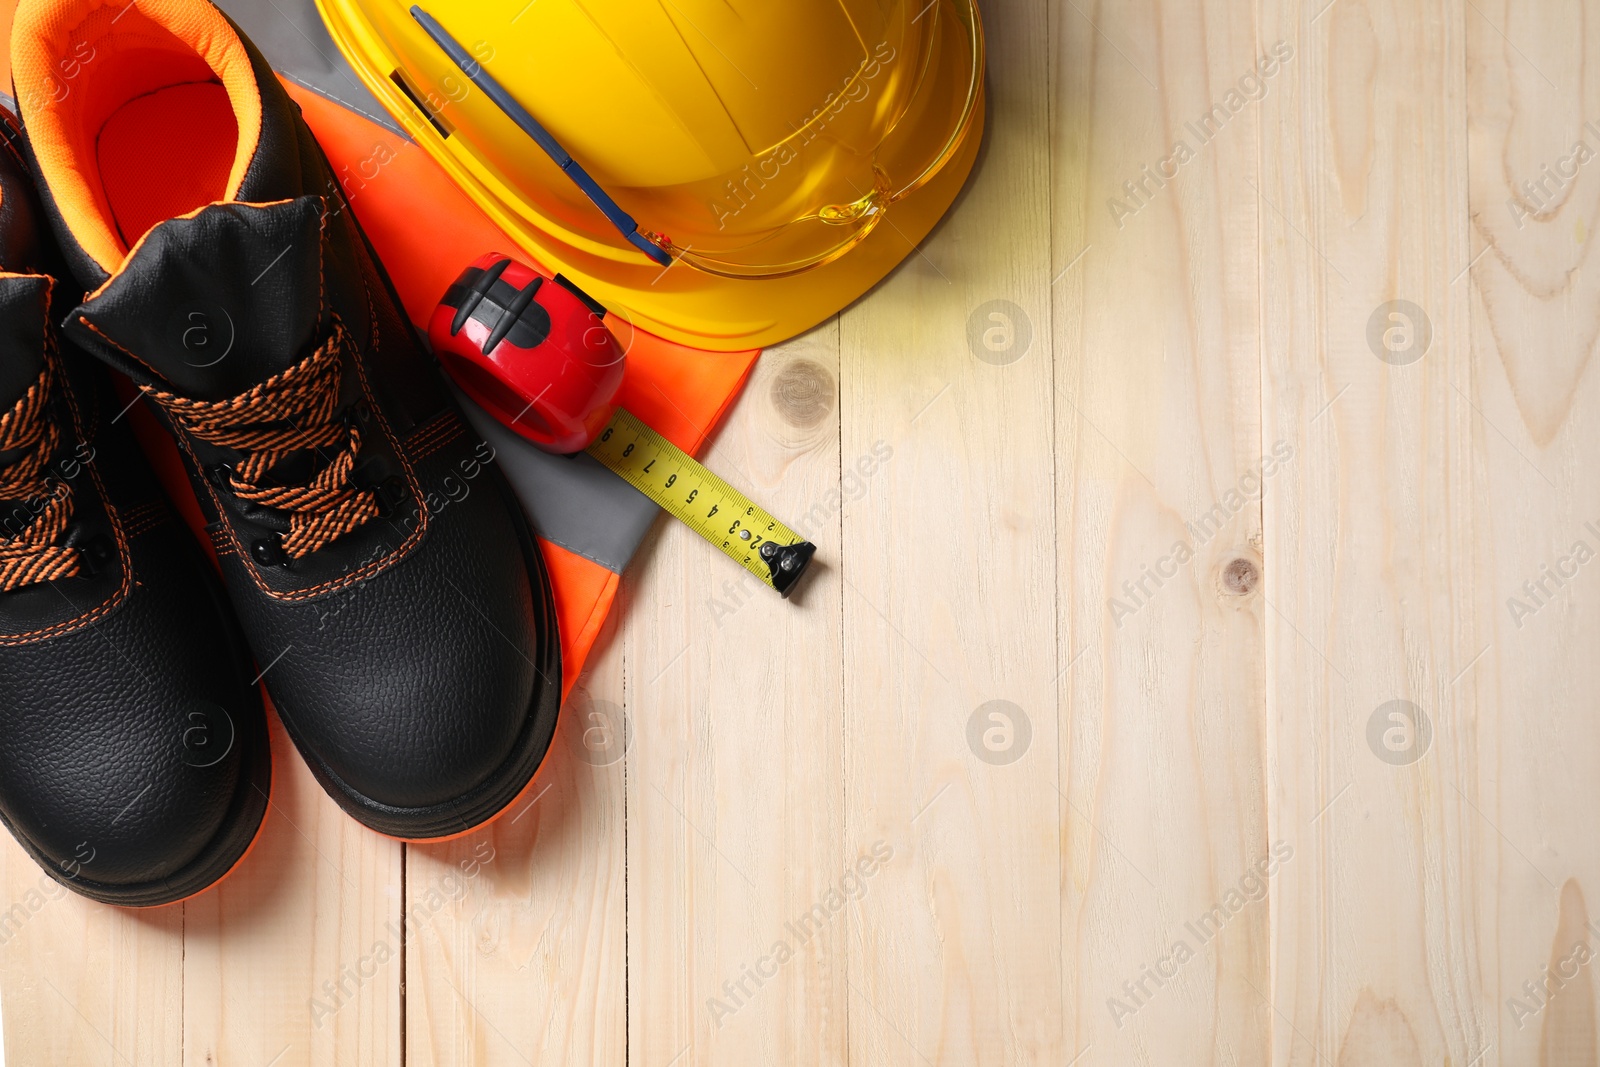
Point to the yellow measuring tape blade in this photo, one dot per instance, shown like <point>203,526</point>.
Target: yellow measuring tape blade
<point>702,501</point>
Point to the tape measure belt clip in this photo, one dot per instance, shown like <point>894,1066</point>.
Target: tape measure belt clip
<point>503,310</point>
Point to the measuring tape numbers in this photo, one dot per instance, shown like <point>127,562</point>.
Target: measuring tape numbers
<point>680,486</point>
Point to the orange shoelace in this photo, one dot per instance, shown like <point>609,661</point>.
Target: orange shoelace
<point>292,411</point>
<point>31,554</point>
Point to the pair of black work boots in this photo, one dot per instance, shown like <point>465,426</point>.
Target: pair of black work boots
<point>163,202</point>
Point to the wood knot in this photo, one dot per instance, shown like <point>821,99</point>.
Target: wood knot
<point>803,393</point>
<point>1241,576</point>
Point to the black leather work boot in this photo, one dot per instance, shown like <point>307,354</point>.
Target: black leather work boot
<point>134,761</point>
<point>408,638</point>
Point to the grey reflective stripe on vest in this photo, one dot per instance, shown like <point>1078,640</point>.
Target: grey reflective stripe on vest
<point>571,500</point>
<point>291,35</point>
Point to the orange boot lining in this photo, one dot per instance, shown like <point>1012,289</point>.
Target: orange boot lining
<point>136,113</point>
<point>189,125</point>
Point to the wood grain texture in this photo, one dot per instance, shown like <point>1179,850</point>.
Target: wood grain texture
<point>1160,466</point>
<point>515,933</point>
<point>1386,660</point>
<point>282,963</point>
<point>1199,666</point>
<point>1534,318</point>
<point>735,788</point>
<point>84,983</point>
<point>950,576</point>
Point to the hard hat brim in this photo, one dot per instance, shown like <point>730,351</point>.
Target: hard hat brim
<point>680,302</point>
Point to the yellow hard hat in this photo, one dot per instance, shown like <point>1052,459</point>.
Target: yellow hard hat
<point>724,173</point>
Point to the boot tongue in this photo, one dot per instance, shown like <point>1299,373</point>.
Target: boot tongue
<point>216,302</point>
<point>24,311</point>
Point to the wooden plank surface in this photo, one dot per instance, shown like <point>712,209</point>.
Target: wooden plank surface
<point>1433,706</point>
<point>83,983</point>
<point>949,583</point>
<point>735,789</point>
<point>1160,462</point>
<point>1534,319</point>
<point>1384,926</point>
<point>1199,667</point>
<point>515,933</point>
<point>293,955</point>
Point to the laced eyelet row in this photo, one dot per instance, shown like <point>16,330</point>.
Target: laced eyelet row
<point>293,411</point>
